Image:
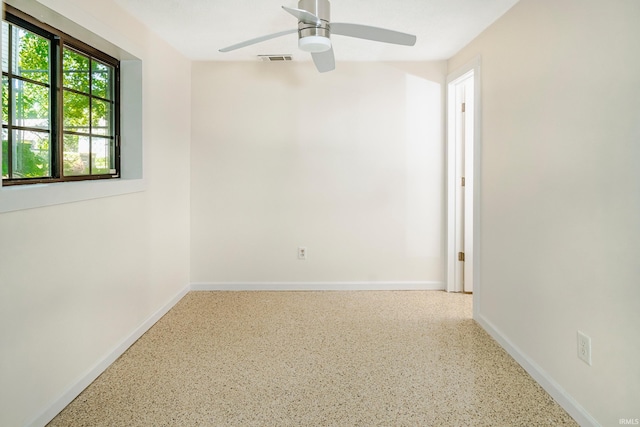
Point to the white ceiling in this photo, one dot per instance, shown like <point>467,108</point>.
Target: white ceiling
<point>198,28</point>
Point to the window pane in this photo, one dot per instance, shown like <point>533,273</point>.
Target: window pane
<point>75,71</point>
<point>30,55</point>
<point>31,108</point>
<point>76,155</point>
<point>5,153</point>
<point>31,154</point>
<point>101,80</point>
<point>76,112</point>
<point>101,122</point>
<point>5,99</point>
<point>101,157</point>
<point>5,47</point>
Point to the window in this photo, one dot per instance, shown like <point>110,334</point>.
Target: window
<point>60,106</point>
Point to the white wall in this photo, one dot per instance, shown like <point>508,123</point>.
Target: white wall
<point>77,279</point>
<point>348,164</point>
<point>561,193</point>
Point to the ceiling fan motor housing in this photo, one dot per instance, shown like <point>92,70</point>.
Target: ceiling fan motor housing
<point>315,37</point>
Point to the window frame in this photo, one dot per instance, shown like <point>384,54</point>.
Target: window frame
<point>59,41</point>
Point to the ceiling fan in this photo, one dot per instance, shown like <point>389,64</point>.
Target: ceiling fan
<point>314,31</point>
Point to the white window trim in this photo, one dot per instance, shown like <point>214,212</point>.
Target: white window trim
<point>19,197</point>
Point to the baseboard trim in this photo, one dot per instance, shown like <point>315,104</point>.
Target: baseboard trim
<point>318,286</point>
<point>560,395</point>
<point>68,396</point>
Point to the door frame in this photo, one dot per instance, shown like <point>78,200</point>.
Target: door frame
<point>451,256</point>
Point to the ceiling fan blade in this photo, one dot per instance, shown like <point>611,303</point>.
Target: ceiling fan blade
<point>372,33</point>
<point>303,15</point>
<point>257,40</point>
<point>325,61</point>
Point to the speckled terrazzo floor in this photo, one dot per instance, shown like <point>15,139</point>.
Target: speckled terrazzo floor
<point>315,359</point>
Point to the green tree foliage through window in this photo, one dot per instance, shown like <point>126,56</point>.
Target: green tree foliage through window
<point>87,112</point>
<point>30,85</point>
<point>84,142</point>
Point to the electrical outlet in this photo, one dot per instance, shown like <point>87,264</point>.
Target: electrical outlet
<point>584,348</point>
<point>302,253</point>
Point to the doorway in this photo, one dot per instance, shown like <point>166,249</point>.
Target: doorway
<point>463,135</point>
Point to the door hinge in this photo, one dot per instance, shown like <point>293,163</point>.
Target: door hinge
<point>463,181</point>
<point>460,256</point>
<point>464,107</point>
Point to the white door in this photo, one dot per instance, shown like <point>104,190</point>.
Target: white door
<point>460,181</point>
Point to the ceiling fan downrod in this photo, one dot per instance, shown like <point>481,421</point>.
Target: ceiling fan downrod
<point>315,36</point>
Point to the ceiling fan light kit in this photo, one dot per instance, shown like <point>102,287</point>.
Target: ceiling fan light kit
<point>315,29</point>
<point>314,44</point>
